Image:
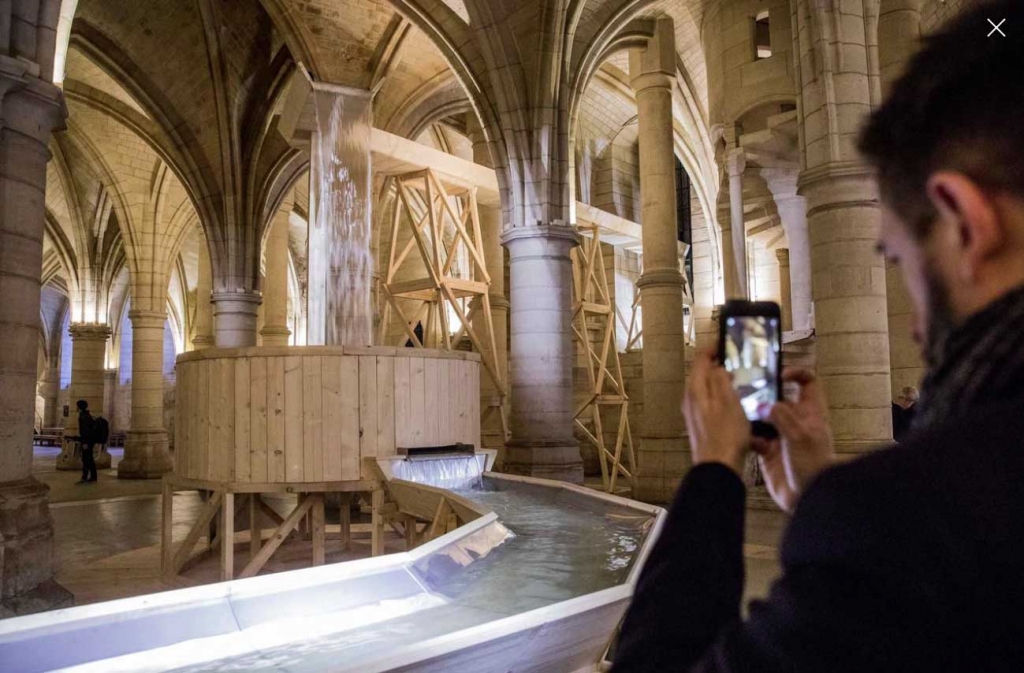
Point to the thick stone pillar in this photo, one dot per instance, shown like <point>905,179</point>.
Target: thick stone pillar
<point>843,217</point>
<point>785,290</point>
<point>49,389</point>
<point>662,458</point>
<point>736,163</point>
<point>899,34</point>
<point>146,452</point>
<point>235,318</point>
<point>88,374</point>
<point>31,110</point>
<point>542,357</point>
<point>275,330</point>
<point>494,258</point>
<point>109,392</point>
<point>203,333</point>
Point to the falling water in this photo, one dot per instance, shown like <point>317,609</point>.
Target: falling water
<point>454,473</point>
<point>340,261</point>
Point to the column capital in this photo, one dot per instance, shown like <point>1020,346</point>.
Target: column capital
<point>651,80</point>
<point>782,255</point>
<point>848,183</point>
<point>89,331</point>
<point>556,231</point>
<point>736,162</point>
<point>666,277</point>
<point>32,106</point>
<point>142,318</point>
<point>239,301</point>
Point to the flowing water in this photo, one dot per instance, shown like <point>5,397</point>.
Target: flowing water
<point>340,260</point>
<point>454,473</point>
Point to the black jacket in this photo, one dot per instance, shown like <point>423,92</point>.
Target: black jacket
<point>908,559</point>
<point>86,423</point>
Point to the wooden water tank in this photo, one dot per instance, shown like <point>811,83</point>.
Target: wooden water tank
<point>303,414</point>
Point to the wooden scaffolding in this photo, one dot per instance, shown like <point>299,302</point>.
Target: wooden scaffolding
<point>445,229</point>
<point>593,312</point>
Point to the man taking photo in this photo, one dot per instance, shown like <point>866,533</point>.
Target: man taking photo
<point>910,558</point>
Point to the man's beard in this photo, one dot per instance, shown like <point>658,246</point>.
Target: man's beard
<point>941,319</point>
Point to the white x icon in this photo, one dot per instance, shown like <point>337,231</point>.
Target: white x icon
<point>997,28</point>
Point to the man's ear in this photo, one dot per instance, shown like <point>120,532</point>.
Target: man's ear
<point>961,203</point>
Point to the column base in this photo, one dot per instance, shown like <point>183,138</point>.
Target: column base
<point>546,460</point>
<point>68,460</point>
<point>146,455</point>
<point>275,336</point>
<point>662,462</point>
<point>26,551</point>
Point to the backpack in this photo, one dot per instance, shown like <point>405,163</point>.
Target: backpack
<point>100,430</point>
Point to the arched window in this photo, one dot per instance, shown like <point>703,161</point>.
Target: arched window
<point>124,359</point>
<point>65,351</point>
<point>762,36</point>
<point>684,217</point>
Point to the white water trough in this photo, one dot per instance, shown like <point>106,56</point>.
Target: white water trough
<point>537,581</point>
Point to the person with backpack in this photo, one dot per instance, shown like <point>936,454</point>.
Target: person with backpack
<point>87,426</point>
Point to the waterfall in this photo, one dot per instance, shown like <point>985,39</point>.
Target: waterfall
<point>454,473</point>
<point>340,260</point>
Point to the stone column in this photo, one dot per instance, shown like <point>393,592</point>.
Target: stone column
<point>146,453</point>
<point>542,357</point>
<point>736,163</point>
<point>494,258</point>
<point>848,275</point>
<point>109,391</point>
<point>275,330</point>
<point>899,33</point>
<point>88,370</point>
<point>785,291</point>
<point>32,109</point>
<point>235,318</point>
<point>49,389</point>
<point>203,333</point>
<point>662,458</point>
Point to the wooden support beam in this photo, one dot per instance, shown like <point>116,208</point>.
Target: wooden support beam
<point>166,528</point>
<point>377,534</point>
<point>227,534</point>
<point>275,540</point>
<point>206,515</point>
<point>255,529</point>
<point>317,526</point>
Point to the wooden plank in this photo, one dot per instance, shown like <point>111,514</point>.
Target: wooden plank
<point>226,447</point>
<point>446,434</point>
<point>417,405</point>
<point>201,466</point>
<point>293,436</point>
<point>473,374</point>
<point>184,416</point>
<point>255,529</point>
<point>275,420</point>
<point>280,533</point>
<point>350,463</point>
<point>317,525</point>
<point>201,525</point>
<point>385,405</point>
<point>377,534</point>
<point>403,402</point>
<point>268,511</point>
<point>431,403</point>
<point>243,423</point>
<point>227,534</point>
<point>345,520</point>
<point>258,420</point>
<point>367,406</point>
<point>166,528</point>
<point>332,412</point>
<point>312,420</point>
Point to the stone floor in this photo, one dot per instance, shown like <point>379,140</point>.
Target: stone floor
<point>107,535</point>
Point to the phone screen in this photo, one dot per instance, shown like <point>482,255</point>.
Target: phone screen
<point>751,355</point>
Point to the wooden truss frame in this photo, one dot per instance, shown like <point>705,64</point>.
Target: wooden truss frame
<point>634,327</point>
<point>592,302</point>
<point>445,226</point>
<point>214,528</point>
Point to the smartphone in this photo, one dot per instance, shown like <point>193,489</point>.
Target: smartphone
<point>750,349</point>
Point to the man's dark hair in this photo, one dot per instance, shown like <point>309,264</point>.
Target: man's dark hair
<point>82,405</point>
<point>959,107</point>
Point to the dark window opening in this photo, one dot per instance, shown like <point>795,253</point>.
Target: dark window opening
<point>684,218</point>
<point>762,37</point>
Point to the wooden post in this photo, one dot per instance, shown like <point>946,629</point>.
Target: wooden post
<point>317,519</point>
<point>345,515</point>
<point>377,531</point>
<point>166,528</point>
<point>227,535</point>
<point>255,530</point>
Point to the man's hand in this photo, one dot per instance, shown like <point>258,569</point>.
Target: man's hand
<point>719,430</point>
<point>804,447</point>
